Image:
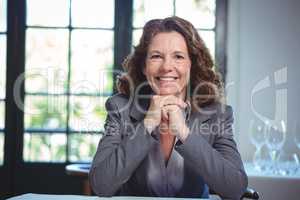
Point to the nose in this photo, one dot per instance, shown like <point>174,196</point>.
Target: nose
<point>167,64</point>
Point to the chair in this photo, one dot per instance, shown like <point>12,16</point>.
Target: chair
<point>249,194</point>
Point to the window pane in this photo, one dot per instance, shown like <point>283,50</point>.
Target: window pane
<point>48,13</point>
<point>45,112</point>
<point>44,147</point>
<point>3,15</point>
<point>201,13</point>
<point>144,10</point>
<point>2,65</point>
<point>137,34</point>
<point>46,60</point>
<point>2,114</point>
<point>1,148</point>
<point>87,113</point>
<point>93,13</point>
<point>209,40</point>
<point>3,8</point>
<point>83,146</point>
<point>92,61</point>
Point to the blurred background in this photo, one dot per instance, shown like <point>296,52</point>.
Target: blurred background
<point>59,60</point>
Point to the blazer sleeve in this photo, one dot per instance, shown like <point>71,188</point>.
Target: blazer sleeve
<point>220,164</point>
<point>119,153</point>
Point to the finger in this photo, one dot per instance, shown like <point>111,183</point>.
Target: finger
<point>155,108</point>
<point>172,109</point>
<point>165,115</point>
<point>172,100</point>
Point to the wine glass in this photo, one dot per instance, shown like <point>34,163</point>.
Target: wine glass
<point>257,133</point>
<point>275,138</point>
<point>288,163</point>
<point>262,160</point>
<point>296,131</point>
<point>257,130</point>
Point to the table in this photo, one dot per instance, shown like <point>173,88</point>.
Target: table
<point>81,170</point>
<point>79,197</point>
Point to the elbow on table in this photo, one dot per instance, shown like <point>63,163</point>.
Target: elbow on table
<point>101,190</point>
<point>99,186</point>
<point>243,182</point>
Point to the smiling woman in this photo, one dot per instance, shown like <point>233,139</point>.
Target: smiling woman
<point>167,132</point>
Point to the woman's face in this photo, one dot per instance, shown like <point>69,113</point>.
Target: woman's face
<point>168,64</point>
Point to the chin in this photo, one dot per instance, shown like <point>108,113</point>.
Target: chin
<point>168,91</point>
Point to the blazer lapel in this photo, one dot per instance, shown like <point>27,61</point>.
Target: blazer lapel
<point>196,120</point>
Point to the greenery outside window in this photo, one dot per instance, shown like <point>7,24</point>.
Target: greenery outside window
<point>68,77</point>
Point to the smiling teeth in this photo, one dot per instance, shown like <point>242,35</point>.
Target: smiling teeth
<point>167,78</point>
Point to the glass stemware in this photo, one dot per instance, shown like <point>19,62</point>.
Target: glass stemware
<point>275,138</point>
<point>257,131</point>
<point>296,131</point>
<point>288,163</point>
<point>262,160</point>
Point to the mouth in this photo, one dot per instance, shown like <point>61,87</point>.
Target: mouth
<point>167,84</point>
<point>166,78</point>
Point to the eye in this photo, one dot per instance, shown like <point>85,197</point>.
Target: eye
<point>179,57</point>
<point>155,56</point>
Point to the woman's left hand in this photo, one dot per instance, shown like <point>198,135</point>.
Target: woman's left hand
<point>176,121</point>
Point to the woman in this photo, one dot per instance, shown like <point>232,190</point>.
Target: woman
<point>167,132</point>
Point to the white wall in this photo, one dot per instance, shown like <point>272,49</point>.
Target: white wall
<point>263,37</point>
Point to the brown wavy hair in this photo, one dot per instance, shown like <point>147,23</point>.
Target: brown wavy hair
<point>205,86</point>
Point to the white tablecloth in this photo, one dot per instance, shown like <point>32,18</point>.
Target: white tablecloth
<point>78,197</point>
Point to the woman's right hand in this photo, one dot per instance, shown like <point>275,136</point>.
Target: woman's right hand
<point>156,114</point>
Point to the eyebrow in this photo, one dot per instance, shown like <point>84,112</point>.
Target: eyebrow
<point>156,51</point>
<point>179,52</point>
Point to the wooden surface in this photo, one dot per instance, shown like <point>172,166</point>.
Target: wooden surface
<point>81,170</point>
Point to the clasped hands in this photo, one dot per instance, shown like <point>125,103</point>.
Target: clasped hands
<point>167,112</point>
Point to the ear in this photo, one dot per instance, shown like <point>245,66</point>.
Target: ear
<point>144,71</point>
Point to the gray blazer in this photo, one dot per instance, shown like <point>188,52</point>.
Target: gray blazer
<point>209,152</point>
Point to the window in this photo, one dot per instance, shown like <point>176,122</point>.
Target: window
<point>201,13</point>
<point>68,77</point>
<point>3,30</point>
